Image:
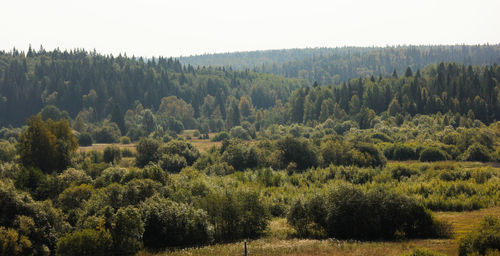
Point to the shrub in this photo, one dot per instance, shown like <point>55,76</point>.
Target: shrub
<point>85,139</point>
<point>350,213</point>
<point>484,239</point>
<point>112,154</point>
<point>220,136</point>
<point>127,152</point>
<point>239,133</point>
<point>239,154</point>
<point>7,151</point>
<point>107,134</point>
<point>147,151</point>
<point>181,148</point>
<point>476,152</point>
<point>168,223</point>
<point>422,252</point>
<point>432,155</point>
<point>299,151</point>
<point>85,242</point>
<point>125,140</point>
<point>172,163</point>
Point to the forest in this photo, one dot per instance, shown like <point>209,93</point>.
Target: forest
<point>118,155</point>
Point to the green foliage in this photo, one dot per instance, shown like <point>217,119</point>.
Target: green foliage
<point>85,139</point>
<point>476,152</point>
<point>172,163</point>
<point>168,223</point>
<point>127,230</point>
<point>147,151</point>
<point>432,155</point>
<point>350,213</point>
<point>299,151</point>
<point>485,239</point>
<point>47,145</point>
<point>13,243</point>
<point>181,148</point>
<point>239,132</point>
<point>85,242</point>
<point>125,140</point>
<point>239,154</point>
<point>112,154</point>
<point>220,136</point>
<point>109,133</point>
<point>7,151</point>
<point>422,252</point>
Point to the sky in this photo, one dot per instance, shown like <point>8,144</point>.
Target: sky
<point>188,27</point>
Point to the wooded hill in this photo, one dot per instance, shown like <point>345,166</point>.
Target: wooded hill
<point>333,65</point>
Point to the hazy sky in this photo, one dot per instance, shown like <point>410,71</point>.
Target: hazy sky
<point>185,27</point>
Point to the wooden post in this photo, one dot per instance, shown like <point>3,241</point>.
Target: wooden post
<point>246,253</point>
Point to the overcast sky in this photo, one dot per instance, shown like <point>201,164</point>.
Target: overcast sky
<point>186,27</point>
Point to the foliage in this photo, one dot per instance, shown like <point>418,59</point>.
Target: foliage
<point>172,163</point>
<point>432,155</point>
<point>85,242</point>
<point>168,223</point>
<point>147,151</point>
<point>47,145</point>
<point>85,139</point>
<point>485,239</point>
<point>112,154</point>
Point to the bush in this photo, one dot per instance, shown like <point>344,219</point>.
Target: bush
<point>422,252</point>
<point>181,148</point>
<point>147,151</point>
<point>168,223</point>
<point>127,152</point>
<point>239,154</point>
<point>172,163</point>
<point>476,152</point>
<point>107,134</point>
<point>125,140</point>
<point>112,154</point>
<point>484,239</point>
<point>299,151</point>
<point>85,242</point>
<point>350,213</point>
<point>239,132</point>
<point>432,155</point>
<point>220,136</point>
<point>85,139</point>
<point>7,151</point>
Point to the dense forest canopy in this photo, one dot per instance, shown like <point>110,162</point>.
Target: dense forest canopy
<point>333,65</point>
<point>77,80</point>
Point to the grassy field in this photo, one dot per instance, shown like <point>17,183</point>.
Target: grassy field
<point>200,144</point>
<point>278,241</point>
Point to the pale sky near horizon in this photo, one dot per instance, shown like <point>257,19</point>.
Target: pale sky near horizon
<point>188,27</point>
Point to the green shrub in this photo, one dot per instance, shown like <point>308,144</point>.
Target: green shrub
<point>239,132</point>
<point>7,151</point>
<point>432,155</point>
<point>168,223</point>
<point>147,151</point>
<point>125,140</point>
<point>85,242</point>
<point>422,252</point>
<point>181,148</point>
<point>172,163</point>
<point>476,152</point>
<point>127,152</point>
<point>376,214</point>
<point>220,136</point>
<point>299,151</point>
<point>112,154</point>
<point>484,239</point>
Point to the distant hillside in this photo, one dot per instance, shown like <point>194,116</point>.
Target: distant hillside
<point>333,65</point>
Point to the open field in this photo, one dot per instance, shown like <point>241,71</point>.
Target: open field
<point>200,144</point>
<point>278,241</point>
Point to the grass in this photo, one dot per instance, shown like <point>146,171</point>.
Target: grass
<point>200,144</point>
<point>278,241</point>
